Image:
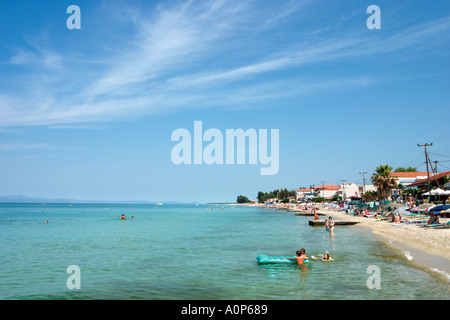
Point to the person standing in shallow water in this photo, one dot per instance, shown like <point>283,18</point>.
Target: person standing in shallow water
<point>331,225</point>
<point>301,256</point>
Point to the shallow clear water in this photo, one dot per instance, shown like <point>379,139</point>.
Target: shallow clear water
<point>193,252</point>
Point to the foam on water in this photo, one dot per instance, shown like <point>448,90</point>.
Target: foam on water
<point>408,255</point>
<point>442,273</point>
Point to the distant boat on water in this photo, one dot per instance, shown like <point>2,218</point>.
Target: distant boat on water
<point>159,204</point>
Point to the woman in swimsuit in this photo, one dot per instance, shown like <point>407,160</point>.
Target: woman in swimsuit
<point>326,257</point>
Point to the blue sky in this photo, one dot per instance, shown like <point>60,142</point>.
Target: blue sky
<point>88,114</point>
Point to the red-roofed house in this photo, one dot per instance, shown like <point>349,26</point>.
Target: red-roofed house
<point>305,193</point>
<point>406,178</point>
<point>424,182</point>
<point>327,191</point>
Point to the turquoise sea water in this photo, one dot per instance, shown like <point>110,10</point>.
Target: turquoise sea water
<point>193,252</point>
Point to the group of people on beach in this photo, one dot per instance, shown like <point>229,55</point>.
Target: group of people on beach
<point>301,257</point>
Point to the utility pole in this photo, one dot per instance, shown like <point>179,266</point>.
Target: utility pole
<point>434,171</point>
<point>323,188</point>
<point>364,181</point>
<point>427,160</point>
<point>343,189</point>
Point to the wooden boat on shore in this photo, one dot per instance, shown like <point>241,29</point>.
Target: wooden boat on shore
<point>316,223</point>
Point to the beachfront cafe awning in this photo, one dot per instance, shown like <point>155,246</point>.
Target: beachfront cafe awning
<point>435,192</point>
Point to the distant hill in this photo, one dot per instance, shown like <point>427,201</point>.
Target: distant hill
<point>25,199</point>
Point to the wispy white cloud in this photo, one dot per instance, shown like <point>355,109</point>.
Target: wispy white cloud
<point>76,127</point>
<point>41,57</point>
<point>23,146</point>
<point>187,55</point>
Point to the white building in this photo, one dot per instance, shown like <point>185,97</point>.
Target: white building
<point>356,190</point>
<point>304,194</point>
<point>406,178</point>
<point>327,191</point>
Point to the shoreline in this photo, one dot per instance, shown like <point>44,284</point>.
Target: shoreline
<point>426,248</point>
<point>421,246</point>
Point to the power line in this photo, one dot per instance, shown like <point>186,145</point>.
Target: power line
<point>440,155</point>
<point>419,165</point>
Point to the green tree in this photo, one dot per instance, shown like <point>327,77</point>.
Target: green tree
<point>336,198</point>
<point>384,181</point>
<point>369,196</point>
<point>242,199</point>
<point>409,169</point>
<point>261,197</point>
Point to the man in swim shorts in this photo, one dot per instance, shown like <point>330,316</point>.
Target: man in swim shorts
<point>301,256</point>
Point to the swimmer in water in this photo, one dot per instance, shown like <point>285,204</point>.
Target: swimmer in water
<point>326,257</point>
<point>123,217</point>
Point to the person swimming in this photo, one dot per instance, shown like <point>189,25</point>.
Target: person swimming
<point>123,217</point>
<point>326,257</point>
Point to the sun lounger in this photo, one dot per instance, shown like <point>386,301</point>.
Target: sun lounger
<point>416,222</point>
<point>438,225</point>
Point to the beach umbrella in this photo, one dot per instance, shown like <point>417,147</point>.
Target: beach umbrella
<point>425,206</point>
<point>437,192</point>
<point>396,205</point>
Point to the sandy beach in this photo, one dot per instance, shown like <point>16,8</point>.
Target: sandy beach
<point>430,245</point>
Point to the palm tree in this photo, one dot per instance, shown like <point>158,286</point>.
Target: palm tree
<point>369,196</point>
<point>384,181</point>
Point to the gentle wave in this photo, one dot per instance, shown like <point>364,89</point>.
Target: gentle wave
<point>443,273</point>
<point>408,255</point>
